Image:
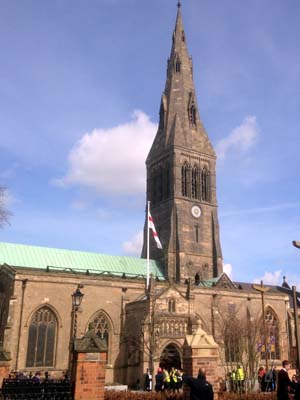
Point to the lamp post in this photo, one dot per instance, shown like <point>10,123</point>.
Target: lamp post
<point>262,289</point>
<point>295,304</point>
<point>77,297</point>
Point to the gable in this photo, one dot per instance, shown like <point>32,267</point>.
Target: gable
<point>224,282</point>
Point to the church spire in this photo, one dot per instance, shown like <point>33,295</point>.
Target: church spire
<point>181,184</point>
<point>179,104</point>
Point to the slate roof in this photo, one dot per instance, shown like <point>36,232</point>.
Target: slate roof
<point>35,257</point>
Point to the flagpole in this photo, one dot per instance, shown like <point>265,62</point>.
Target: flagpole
<point>148,245</point>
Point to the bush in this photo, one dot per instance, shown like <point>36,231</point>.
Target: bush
<point>247,396</point>
<point>113,395</point>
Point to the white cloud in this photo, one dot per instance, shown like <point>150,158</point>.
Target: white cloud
<point>241,138</point>
<point>271,278</point>
<point>7,199</point>
<point>227,268</point>
<point>112,161</point>
<point>134,246</point>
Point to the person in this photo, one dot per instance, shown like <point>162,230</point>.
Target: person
<point>270,380</point>
<point>200,388</point>
<point>159,380</point>
<point>167,379</point>
<point>173,379</point>
<point>148,381</point>
<point>284,382</point>
<point>179,379</point>
<point>297,390</point>
<point>261,378</point>
<point>240,378</point>
<point>37,377</point>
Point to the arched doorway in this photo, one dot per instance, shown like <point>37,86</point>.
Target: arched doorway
<point>170,357</point>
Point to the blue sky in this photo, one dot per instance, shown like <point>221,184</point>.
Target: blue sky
<point>80,87</point>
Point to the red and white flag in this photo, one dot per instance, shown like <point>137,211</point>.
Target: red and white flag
<point>155,235</point>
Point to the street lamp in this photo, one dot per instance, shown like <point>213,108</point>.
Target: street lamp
<point>296,243</point>
<point>77,297</point>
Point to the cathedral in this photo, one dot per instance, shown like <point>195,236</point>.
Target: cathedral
<point>147,326</point>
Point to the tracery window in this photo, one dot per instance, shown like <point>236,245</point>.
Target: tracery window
<point>272,336</point>
<point>185,170</point>
<point>101,326</point>
<point>172,306</point>
<point>42,339</point>
<point>205,184</point>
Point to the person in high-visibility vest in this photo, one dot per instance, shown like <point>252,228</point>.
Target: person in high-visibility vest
<point>234,381</point>
<point>167,380</point>
<point>173,379</point>
<point>240,377</point>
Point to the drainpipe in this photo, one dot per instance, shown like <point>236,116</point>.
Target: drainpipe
<point>24,282</point>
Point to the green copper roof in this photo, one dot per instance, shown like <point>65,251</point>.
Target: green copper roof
<point>19,255</point>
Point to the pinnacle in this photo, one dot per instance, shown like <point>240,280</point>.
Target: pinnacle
<point>179,4</point>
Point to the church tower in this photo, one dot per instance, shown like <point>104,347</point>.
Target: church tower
<point>181,177</point>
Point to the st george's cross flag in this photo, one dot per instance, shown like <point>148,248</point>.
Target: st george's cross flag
<point>155,235</point>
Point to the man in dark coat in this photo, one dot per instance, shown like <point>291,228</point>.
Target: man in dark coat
<point>200,388</point>
<point>284,382</point>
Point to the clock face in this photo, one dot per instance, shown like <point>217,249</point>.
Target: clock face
<point>196,211</point>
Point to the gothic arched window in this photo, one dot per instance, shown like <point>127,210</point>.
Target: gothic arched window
<point>177,64</point>
<point>205,184</point>
<point>272,336</point>
<point>101,326</point>
<point>192,114</point>
<point>172,306</point>
<point>185,171</point>
<point>42,338</point>
<point>195,186</point>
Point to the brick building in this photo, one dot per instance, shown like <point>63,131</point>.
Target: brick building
<point>188,294</point>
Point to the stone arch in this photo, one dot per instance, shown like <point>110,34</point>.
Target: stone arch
<point>51,307</point>
<point>171,355</point>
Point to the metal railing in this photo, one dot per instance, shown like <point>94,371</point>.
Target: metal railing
<point>30,389</point>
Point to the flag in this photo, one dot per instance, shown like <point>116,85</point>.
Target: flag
<point>155,235</point>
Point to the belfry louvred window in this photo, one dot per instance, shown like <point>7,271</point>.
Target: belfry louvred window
<point>195,182</point>
<point>42,339</point>
<point>185,172</point>
<point>205,184</point>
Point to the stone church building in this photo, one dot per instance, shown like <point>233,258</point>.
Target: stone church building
<point>188,292</point>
